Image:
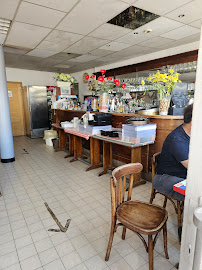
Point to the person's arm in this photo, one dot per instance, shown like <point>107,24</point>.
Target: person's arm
<point>185,163</point>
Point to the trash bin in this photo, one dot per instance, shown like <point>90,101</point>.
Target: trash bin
<point>49,135</point>
<point>55,143</point>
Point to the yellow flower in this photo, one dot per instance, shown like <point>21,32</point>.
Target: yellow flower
<point>155,75</point>
<point>68,76</point>
<point>150,78</point>
<point>169,77</point>
<point>164,80</point>
<point>180,81</point>
<point>142,82</point>
<point>164,75</point>
<point>154,80</point>
<point>171,70</point>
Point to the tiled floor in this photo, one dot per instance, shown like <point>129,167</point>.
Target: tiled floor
<point>45,176</point>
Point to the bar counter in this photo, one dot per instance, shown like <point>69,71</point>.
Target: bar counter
<point>165,124</point>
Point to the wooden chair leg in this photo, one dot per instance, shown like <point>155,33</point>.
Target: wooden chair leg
<point>150,252</point>
<point>110,240</point>
<point>165,202</point>
<point>179,219</point>
<point>165,240</point>
<point>152,195</point>
<point>124,233</point>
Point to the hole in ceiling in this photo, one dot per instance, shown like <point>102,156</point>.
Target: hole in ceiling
<point>181,15</point>
<point>133,18</point>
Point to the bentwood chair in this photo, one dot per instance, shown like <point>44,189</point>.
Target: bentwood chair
<point>177,204</point>
<point>140,217</point>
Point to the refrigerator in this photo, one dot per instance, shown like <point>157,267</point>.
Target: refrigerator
<point>36,110</point>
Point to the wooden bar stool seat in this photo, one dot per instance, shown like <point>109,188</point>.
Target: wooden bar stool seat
<point>177,204</point>
<point>140,217</point>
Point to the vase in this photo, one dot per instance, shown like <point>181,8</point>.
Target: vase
<point>164,104</point>
<point>63,84</point>
<point>103,105</point>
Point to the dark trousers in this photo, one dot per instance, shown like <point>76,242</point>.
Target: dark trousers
<point>164,184</point>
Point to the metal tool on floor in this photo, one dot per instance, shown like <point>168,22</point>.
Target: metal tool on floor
<point>62,229</point>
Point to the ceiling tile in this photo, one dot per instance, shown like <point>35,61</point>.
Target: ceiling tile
<point>11,59</point>
<point>99,52</point>
<point>115,46</point>
<point>61,36</point>
<point>84,58</point>
<point>156,42</point>
<point>15,50</point>
<point>196,24</point>
<point>38,15</point>
<point>192,12</point>
<point>26,35</point>
<point>131,2</point>
<point>181,32</point>
<point>41,53</point>
<point>70,63</point>
<point>64,56</point>
<point>86,45</point>
<point>159,26</point>
<point>48,62</point>
<point>63,5</point>
<point>30,59</point>
<point>62,66</point>
<point>8,8</point>
<point>90,14</point>
<point>52,46</point>
<point>109,31</point>
<point>2,38</point>
<point>157,7</point>
<point>133,51</point>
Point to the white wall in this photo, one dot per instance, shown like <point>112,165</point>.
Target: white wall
<point>194,177</point>
<point>83,87</point>
<point>30,77</point>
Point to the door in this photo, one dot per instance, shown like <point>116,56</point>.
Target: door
<point>16,108</point>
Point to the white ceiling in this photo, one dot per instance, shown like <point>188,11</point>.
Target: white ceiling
<point>73,35</point>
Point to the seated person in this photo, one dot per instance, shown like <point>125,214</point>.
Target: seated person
<point>173,162</point>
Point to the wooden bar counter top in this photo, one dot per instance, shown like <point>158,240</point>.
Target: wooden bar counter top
<point>165,124</point>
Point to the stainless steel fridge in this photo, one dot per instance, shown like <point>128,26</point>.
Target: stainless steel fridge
<point>36,110</point>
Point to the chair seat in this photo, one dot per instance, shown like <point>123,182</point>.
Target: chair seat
<point>142,217</point>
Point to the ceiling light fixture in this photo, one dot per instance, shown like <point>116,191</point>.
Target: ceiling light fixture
<point>181,15</point>
<point>147,31</point>
<point>4,26</point>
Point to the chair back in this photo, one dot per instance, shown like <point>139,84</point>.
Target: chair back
<point>118,183</point>
<point>155,159</point>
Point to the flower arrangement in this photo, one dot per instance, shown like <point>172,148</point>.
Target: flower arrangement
<point>104,84</point>
<point>164,82</point>
<point>61,77</point>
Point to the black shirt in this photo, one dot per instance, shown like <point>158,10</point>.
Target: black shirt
<point>175,149</point>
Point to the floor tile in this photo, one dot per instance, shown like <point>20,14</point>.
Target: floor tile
<point>86,252</point>
<point>48,256</point>
<point>26,252</point>
<point>23,241</point>
<point>95,263</point>
<point>123,248</point>
<point>43,245</point>
<point>64,248</point>
<point>71,260</point>
<point>120,265</point>
<point>134,260</point>
<point>31,263</point>
<point>8,259</point>
<point>79,241</point>
<point>55,265</point>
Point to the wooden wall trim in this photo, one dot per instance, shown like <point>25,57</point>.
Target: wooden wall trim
<point>156,63</point>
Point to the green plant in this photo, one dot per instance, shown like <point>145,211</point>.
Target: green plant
<point>61,77</point>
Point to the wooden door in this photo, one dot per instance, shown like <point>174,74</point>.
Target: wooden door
<point>16,108</point>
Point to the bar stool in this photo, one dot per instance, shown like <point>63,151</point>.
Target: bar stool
<point>177,204</point>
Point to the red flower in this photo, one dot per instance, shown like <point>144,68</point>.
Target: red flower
<point>102,71</point>
<point>117,82</point>
<point>87,77</point>
<point>109,78</point>
<point>101,79</point>
<point>123,86</point>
